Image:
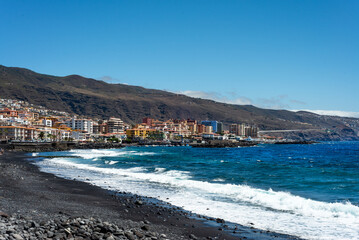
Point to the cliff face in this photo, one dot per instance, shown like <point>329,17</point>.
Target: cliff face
<point>89,97</point>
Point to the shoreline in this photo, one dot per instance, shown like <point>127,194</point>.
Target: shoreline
<point>40,196</point>
<point>66,146</point>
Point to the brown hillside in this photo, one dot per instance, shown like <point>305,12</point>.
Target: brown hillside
<point>90,97</point>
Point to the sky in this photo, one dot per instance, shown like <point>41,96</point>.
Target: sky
<point>274,54</point>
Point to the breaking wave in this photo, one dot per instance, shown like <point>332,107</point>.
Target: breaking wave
<point>270,210</point>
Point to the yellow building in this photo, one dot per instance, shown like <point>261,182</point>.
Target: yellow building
<point>138,132</point>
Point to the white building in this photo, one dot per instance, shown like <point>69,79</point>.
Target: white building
<point>81,124</point>
<point>47,122</point>
<point>65,135</point>
<point>78,135</point>
<point>115,125</point>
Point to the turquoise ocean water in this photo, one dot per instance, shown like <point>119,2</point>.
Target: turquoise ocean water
<point>310,191</point>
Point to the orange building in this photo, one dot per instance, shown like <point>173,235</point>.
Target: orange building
<point>18,133</point>
<point>9,112</point>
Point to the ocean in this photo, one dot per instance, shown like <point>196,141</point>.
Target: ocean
<point>309,191</point>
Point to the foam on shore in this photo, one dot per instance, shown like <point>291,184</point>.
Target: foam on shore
<point>269,210</point>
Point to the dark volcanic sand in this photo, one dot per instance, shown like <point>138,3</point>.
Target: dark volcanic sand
<point>27,192</point>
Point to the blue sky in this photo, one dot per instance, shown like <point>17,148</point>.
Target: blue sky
<point>274,54</point>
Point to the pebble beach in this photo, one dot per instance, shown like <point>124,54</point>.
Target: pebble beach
<point>38,205</point>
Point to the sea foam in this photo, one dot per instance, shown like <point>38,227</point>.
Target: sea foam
<point>269,210</point>
<point>97,153</point>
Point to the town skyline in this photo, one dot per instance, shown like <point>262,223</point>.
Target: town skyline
<point>22,121</point>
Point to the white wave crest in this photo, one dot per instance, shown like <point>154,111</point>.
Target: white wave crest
<point>218,180</point>
<point>111,162</point>
<point>98,153</point>
<point>268,209</point>
<point>160,170</point>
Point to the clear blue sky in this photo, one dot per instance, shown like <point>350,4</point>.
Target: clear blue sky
<point>280,54</point>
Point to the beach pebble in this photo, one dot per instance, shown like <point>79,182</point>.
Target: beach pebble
<point>130,236</point>
<point>138,234</point>
<point>145,227</point>
<point>2,214</point>
<point>17,236</point>
<point>192,236</point>
<point>110,238</point>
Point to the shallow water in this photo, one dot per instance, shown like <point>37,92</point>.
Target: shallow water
<point>310,191</point>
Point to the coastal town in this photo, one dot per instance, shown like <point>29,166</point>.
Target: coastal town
<point>22,121</point>
<point>179,120</point>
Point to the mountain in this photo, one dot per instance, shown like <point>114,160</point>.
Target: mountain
<point>98,99</point>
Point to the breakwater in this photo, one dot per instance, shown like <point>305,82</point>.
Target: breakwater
<point>224,144</point>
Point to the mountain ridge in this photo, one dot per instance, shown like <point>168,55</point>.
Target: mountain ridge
<point>98,99</point>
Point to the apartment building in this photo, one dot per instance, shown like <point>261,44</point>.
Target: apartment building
<point>219,127</point>
<point>243,130</point>
<point>208,123</point>
<point>81,124</point>
<point>115,125</point>
<point>18,133</point>
<point>138,132</point>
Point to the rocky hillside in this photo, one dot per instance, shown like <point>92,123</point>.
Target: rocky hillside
<point>90,97</point>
